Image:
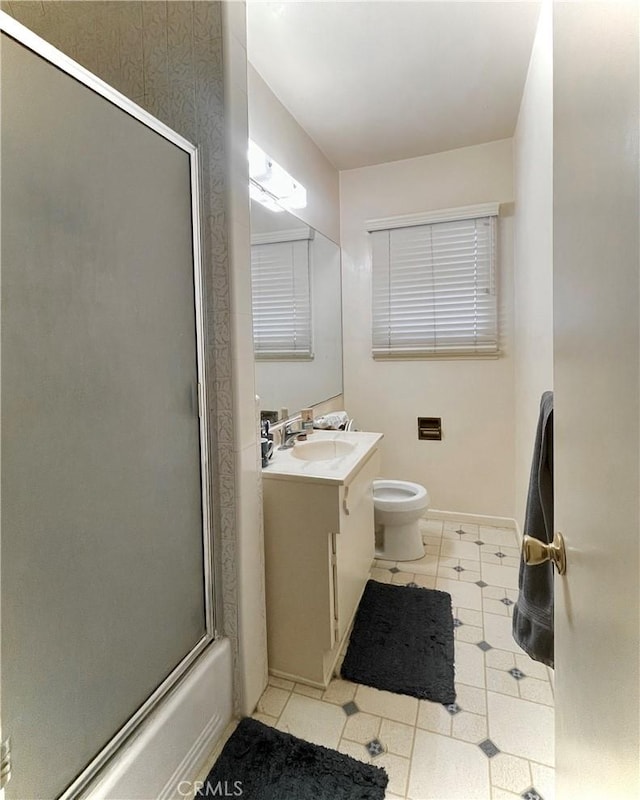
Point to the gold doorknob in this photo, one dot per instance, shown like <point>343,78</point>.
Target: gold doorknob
<point>536,552</point>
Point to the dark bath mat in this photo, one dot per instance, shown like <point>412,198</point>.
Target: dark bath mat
<point>402,641</point>
<point>261,763</point>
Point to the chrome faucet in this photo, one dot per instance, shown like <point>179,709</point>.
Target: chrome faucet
<point>289,435</point>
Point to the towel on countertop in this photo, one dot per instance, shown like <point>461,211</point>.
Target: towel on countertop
<point>335,421</point>
<point>533,612</point>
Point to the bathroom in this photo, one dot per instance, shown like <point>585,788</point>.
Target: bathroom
<point>488,407</point>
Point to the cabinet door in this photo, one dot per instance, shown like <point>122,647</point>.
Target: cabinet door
<point>354,544</point>
<point>298,518</point>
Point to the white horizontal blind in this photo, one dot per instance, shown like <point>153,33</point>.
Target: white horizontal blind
<point>434,289</point>
<point>281,300</point>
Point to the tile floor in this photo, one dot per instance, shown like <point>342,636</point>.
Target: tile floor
<point>497,740</point>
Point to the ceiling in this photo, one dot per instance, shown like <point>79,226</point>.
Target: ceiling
<point>372,82</point>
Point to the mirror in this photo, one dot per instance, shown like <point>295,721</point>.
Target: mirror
<point>297,311</point>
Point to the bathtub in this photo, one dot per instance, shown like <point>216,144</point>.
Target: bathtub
<point>171,746</point>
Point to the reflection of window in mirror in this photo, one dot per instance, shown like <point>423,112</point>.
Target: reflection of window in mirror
<point>298,348</point>
<point>281,299</point>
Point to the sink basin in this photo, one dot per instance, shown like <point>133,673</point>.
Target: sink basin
<point>322,451</point>
<point>330,457</point>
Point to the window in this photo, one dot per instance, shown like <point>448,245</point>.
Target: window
<point>281,300</point>
<point>434,285</point>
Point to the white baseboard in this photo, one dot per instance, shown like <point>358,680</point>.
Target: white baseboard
<point>473,519</point>
<point>518,532</point>
<point>291,676</point>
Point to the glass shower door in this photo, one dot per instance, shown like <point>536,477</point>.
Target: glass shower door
<point>105,536</point>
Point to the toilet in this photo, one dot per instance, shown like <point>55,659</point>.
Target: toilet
<point>398,505</point>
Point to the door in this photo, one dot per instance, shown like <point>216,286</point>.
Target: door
<point>596,418</point>
<point>105,597</point>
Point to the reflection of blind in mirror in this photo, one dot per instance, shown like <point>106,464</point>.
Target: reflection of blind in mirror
<point>281,300</point>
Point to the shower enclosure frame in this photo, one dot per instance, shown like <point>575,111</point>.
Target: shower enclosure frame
<point>15,30</point>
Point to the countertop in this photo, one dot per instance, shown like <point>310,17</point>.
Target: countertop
<point>284,465</point>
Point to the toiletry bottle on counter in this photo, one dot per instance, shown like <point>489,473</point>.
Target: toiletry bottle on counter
<point>306,415</point>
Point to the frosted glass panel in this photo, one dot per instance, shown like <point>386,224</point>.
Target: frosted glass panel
<point>102,554</point>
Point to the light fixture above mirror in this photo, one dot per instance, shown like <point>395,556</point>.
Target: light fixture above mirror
<point>270,184</point>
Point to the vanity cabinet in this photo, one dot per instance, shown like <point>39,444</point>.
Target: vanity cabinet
<point>319,548</point>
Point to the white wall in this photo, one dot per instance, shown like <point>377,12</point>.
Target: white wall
<point>472,468</point>
<point>248,553</point>
<point>533,251</point>
<point>273,128</point>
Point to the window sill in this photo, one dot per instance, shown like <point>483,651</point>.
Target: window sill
<point>282,357</point>
<point>436,356</point>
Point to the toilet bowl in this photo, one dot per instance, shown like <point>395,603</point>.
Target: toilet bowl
<point>398,505</point>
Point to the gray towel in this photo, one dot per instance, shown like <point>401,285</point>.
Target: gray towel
<point>533,613</point>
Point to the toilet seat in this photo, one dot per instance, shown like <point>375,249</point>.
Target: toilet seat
<point>389,495</point>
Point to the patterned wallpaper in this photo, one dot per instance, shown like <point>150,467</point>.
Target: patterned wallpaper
<point>167,57</point>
